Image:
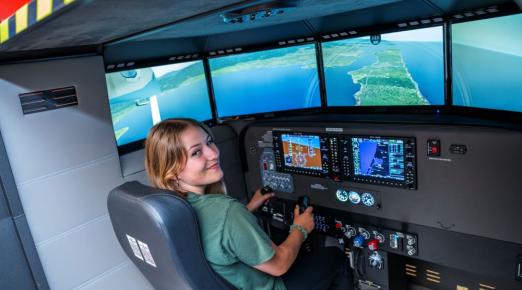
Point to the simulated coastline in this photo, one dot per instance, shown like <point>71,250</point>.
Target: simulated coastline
<point>387,82</point>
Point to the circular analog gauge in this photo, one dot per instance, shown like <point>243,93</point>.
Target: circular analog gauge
<point>354,197</point>
<point>342,195</point>
<point>368,199</point>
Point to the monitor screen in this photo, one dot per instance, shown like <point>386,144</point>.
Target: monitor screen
<point>487,63</point>
<point>401,69</point>
<point>140,98</point>
<point>266,81</point>
<point>302,151</point>
<point>378,158</point>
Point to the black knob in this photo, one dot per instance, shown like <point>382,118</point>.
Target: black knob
<point>303,202</point>
<point>266,189</point>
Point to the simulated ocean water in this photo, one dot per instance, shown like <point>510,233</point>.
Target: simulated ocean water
<point>486,79</point>
<point>266,90</point>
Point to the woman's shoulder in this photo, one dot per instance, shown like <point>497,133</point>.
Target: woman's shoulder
<point>210,198</point>
<point>226,204</point>
<point>216,207</point>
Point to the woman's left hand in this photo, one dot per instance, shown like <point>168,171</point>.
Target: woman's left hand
<point>258,200</point>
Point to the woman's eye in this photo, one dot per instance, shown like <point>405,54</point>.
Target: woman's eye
<point>196,153</point>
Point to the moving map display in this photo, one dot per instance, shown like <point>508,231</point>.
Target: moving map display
<point>266,81</point>
<point>302,151</point>
<point>403,68</point>
<point>140,98</point>
<point>378,157</point>
<point>487,62</point>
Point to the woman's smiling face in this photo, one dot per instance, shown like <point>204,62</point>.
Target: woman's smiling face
<point>202,167</point>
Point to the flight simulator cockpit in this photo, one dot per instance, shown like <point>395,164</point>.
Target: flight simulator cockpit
<point>407,194</point>
<point>399,122</point>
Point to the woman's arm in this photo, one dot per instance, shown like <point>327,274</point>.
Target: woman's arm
<point>286,253</point>
<point>258,200</point>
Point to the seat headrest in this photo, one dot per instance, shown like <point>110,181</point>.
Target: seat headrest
<point>159,232</point>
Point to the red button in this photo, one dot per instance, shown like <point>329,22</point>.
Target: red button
<point>373,244</point>
<point>338,225</point>
<point>434,150</point>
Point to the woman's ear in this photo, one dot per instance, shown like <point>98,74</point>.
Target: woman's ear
<point>174,181</point>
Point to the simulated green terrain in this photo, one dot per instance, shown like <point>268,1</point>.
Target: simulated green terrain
<point>340,55</point>
<point>120,111</point>
<point>386,82</point>
<point>183,77</point>
<point>304,56</point>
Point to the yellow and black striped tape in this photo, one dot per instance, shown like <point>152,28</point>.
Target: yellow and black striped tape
<point>28,15</point>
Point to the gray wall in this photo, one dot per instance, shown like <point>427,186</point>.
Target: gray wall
<point>17,251</point>
<point>64,163</point>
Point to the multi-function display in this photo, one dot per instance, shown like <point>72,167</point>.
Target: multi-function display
<point>380,160</point>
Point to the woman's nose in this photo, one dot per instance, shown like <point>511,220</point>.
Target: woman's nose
<point>212,152</point>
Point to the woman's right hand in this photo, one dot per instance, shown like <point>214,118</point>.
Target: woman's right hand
<point>305,219</point>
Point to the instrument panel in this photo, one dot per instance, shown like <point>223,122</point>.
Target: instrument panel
<point>399,192</point>
<point>387,161</point>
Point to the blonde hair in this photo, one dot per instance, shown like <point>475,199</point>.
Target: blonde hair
<point>165,155</point>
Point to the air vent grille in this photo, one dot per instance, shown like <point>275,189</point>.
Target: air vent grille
<point>41,101</point>
<point>433,276</point>
<point>483,286</point>
<point>411,270</point>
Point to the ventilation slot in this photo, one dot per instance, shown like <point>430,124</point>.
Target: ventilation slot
<point>36,102</point>
<point>433,276</point>
<point>486,287</point>
<point>410,270</point>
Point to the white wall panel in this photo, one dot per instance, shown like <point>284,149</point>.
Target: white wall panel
<point>51,141</point>
<point>61,202</point>
<point>65,162</point>
<point>119,278</point>
<point>81,255</point>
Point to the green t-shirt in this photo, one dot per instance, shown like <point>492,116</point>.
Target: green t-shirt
<point>233,241</point>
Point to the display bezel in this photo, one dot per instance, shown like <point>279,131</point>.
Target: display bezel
<point>383,180</point>
<point>346,169</point>
<point>279,154</point>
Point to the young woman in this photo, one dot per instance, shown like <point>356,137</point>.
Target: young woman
<point>180,155</point>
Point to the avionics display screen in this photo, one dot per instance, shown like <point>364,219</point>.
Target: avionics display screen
<point>139,98</point>
<point>266,81</point>
<point>302,151</point>
<point>378,158</point>
<point>403,68</point>
<point>487,63</point>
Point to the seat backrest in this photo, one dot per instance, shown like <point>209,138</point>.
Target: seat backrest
<point>159,232</point>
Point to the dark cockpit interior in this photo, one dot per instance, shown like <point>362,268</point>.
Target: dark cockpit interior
<point>400,121</point>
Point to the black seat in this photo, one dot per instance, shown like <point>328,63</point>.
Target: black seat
<point>159,232</point>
